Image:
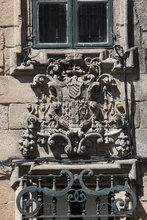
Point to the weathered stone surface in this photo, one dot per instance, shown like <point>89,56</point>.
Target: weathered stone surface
<point>7,13</point>
<point>140,87</point>
<point>1,59</point>
<point>145,38</point>
<point>141,210</point>
<point>9,37</point>
<point>132,82</point>
<point>17,39</point>
<point>5,172</point>
<point>7,211</point>
<point>134,114</point>
<point>17,116</point>
<point>141,11</point>
<point>145,186</point>
<point>9,146</point>
<point>3,117</point>
<point>1,71</point>
<point>137,115</point>
<point>4,191</point>
<point>16,90</point>
<point>7,56</point>
<point>1,39</point>
<point>143,113</point>
<point>141,143</point>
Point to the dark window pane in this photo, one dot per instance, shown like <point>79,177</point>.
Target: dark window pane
<point>92,19</point>
<point>52,23</point>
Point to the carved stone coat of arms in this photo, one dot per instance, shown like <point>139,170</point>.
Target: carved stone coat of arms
<point>77,114</point>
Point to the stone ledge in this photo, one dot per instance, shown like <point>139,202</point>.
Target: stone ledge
<point>39,60</point>
<point>99,167</point>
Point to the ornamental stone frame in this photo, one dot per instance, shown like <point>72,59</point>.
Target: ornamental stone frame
<point>77,113</point>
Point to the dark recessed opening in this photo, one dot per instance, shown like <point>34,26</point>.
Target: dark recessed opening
<point>92,19</point>
<point>52,23</point>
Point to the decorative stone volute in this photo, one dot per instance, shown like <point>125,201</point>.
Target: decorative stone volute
<point>76,113</point>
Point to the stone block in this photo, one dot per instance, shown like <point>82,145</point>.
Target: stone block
<point>8,57</point>
<point>145,39</point>
<point>18,116</point>
<point>9,37</point>
<point>141,143</point>
<point>141,12</point>
<point>4,191</point>
<point>142,66</point>
<point>17,13</point>
<point>9,145</point>
<point>16,90</point>
<point>17,37</point>
<point>1,39</point>
<point>143,113</point>
<point>122,91</point>
<point>141,88</point>
<point>1,59</point>
<point>134,114</point>
<point>7,60</point>
<point>7,13</point>
<point>7,211</point>
<point>3,117</point>
<point>133,85</point>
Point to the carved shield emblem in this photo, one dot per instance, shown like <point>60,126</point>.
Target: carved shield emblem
<point>75,90</point>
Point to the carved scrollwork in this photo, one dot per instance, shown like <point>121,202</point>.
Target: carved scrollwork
<point>76,109</point>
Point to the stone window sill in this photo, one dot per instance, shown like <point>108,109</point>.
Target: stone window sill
<point>37,62</point>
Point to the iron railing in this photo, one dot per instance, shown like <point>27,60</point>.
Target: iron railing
<point>110,195</point>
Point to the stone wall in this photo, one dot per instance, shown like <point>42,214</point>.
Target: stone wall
<point>16,92</point>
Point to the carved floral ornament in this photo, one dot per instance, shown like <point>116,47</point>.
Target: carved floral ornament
<point>76,112</point>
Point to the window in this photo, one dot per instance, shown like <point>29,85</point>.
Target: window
<point>72,23</point>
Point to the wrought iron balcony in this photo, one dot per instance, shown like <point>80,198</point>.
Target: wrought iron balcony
<point>109,196</point>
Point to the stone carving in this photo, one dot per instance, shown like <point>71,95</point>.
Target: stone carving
<point>76,111</point>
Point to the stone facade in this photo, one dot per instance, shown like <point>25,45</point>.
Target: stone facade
<point>18,72</point>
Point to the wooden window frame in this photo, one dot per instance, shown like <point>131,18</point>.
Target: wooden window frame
<point>72,26</point>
